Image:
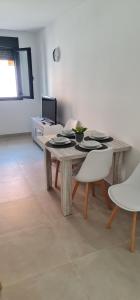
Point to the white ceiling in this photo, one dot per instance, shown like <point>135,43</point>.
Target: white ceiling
<point>31,14</point>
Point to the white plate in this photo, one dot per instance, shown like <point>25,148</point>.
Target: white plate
<point>59,141</point>
<point>98,135</point>
<point>90,148</point>
<point>90,144</point>
<point>99,138</point>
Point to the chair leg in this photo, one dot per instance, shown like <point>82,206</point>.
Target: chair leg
<point>133,232</point>
<point>56,173</point>
<point>75,188</point>
<point>106,198</point>
<point>112,217</point>
<point>93,190</point>
<point>87,190</point>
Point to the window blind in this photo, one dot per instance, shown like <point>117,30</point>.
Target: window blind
<point>7,46</point>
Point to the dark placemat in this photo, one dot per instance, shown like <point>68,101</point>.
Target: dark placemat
<point>107,140</point>
<point>88,150</point>
<point>71,144</point>
<point>67,136</point>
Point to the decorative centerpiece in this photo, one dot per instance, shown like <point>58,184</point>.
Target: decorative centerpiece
<point>79,133</point>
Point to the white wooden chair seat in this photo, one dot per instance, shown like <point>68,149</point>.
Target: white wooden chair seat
<point>95,168</point>
<point>126,196</point>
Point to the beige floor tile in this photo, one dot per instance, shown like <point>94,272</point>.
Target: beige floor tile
<point>111,274</point>
<point>30,252</point>
<point>32,169</point>
<point>74,236</point>
<point>44,255</point>
<point>61,283</point>
<point>72,231</point>
<point>14,189</point>
<point>50,204</point>
<point>9,171</point>
<point>36,183</point>
<point>17,215</point>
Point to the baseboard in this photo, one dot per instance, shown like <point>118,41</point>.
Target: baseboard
<point>15,134</point>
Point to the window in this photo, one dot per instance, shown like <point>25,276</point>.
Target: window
<point>16,78</point>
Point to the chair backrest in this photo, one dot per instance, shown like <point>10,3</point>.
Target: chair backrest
<point>54,129</point>
<point>96,166</point>
<point>71,123</point>
<point>134,178</point>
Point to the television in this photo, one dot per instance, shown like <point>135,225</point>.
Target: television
<point>49,109</point>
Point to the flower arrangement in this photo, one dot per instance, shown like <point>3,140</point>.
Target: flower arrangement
<point>79,133</point>
<point>79,130</point>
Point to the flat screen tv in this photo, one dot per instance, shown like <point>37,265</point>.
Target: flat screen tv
<point>49,109</point>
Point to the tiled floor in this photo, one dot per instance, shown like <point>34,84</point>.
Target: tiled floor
<point>46,256</point>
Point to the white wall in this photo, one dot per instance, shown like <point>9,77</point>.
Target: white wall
<point>15,116</point>
<point>43,62</point>
<point>98,77</point>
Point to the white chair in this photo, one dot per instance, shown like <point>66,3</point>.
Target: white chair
<point>126,195</point>
<point>71,123</point>
<point>95,168</point>
<point>53,129</point>
<point>56,129</point>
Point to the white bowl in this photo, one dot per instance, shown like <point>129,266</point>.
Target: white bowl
<point>98,135</point>
<point>90,144</point>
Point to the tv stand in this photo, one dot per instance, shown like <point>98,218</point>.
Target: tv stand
<point>47,121</point>
<point>38,127</point>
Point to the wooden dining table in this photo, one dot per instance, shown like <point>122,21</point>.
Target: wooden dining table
<point>67,157</point>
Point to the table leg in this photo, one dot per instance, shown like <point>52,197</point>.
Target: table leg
<point>66,187</point>
<point>117,167</point>
<point>48,169</point>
